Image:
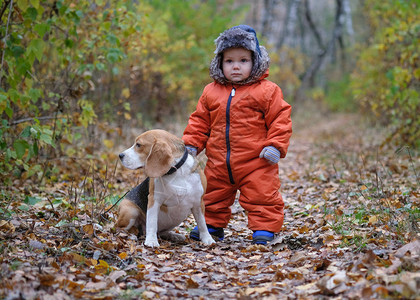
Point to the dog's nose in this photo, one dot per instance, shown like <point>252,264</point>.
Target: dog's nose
<point>121,156</point>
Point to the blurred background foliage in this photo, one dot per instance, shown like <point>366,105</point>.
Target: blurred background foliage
<point>76,74</point>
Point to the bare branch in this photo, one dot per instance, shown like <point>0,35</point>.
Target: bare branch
<point>312,25</point>
<point>309,76</point>
<point>3,9</point>
<point>31,120</point>
<point>7,28</point>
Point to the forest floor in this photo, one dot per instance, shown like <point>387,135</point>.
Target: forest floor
<point>351,231</point>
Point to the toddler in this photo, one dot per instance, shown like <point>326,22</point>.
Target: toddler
<point>244,124</point>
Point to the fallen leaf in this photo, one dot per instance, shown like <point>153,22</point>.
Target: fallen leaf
<point>413,248</point>
<point>115,275</point>
<point>6,226</point>
<point>191,284</point>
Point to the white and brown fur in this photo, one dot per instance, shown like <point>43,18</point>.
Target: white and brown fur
<point>171,197</point>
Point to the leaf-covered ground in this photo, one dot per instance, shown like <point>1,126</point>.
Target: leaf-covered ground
<point>351,231</point>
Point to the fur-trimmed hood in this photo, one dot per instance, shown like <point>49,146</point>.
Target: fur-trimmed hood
<point>242,36</point>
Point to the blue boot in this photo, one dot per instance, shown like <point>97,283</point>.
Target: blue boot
<point>216,232</point>
<point>262,237</point>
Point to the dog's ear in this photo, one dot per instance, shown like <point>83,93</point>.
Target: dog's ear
<point>159,160</point>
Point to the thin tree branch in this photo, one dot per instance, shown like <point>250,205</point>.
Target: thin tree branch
<point>5,37</point>
<point>312,26</point>
<point>3,9</point>
<point>309,75</point>
<point>31,120</point>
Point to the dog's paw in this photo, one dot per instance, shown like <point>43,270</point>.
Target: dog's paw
<point>151,242</point>
<point>207,240</point>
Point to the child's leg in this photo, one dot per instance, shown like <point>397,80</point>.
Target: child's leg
<point>218,199</point>
<point>261,198</point>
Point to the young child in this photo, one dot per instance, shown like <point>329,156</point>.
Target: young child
<point>244,124</point>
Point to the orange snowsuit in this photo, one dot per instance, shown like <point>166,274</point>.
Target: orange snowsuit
<point>234,123</point>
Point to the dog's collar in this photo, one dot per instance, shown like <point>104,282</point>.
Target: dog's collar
<point>179,164</point>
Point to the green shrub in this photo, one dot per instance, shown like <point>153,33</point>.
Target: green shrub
<point>386,79</point>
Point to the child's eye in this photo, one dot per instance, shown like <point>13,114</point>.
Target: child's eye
<point>244,60</point>
<point>228,61</point>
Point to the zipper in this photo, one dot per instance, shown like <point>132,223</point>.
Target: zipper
<point>232,94</point>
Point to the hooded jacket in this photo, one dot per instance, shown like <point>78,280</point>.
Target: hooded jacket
<point>234,121</point>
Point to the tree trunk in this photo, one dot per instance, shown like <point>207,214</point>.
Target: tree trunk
<point>308,78</point>
<point>289,24</point>
<point>348,20</point>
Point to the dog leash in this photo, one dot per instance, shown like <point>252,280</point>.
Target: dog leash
<point>116,203</point>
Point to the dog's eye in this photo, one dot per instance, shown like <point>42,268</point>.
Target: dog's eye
<point>138,145</point>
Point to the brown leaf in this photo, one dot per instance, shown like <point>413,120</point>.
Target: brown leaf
<point>329,284</point>
<point>88,229</point>
<point>191,284</point>
<point>46,279</point>
<point>254,270</point>
<point>298,258</point>
<point>413,248</point>
<point>115,275</point>
<point>6,226</point>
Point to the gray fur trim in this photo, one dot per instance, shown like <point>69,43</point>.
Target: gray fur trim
<point>238,38</point>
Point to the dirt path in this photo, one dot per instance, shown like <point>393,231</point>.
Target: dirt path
<point>336,243</point>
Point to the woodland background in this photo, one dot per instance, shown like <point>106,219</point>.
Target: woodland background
<point>80,79</point>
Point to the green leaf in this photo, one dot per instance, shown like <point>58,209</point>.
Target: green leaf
<point>8,111</point>
<point>23,207</point>
<point>26,132</point>
<point>69,43</point>
<point>23,66</point>
<point>42,29</point>
<point>23,4</point>
<point>35,3</point>
<point>31,200</point>
<point>61,223</point>
<point>20,146</point>
<point>37,46</point>
<point>35,149</point>
<point>47,139</point>
<point>32,13</point>
<point>17,51</point>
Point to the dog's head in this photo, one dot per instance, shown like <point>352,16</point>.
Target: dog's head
<point>154,151</point>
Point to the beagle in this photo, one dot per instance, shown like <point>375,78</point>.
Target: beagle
<point>174,188</point>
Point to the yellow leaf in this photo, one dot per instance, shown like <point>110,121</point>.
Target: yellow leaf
<point>103,263</point>
<point>108,143</point>
<point>363,187</point>
<point>373,220</point>
<point>125,93</point>
<point>127,116</point>
<point>123,255</point>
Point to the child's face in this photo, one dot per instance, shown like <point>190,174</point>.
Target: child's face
<point>237,64</point>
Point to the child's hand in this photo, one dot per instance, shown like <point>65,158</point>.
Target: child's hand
<point>191,150</point>
<point>271,154</point>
